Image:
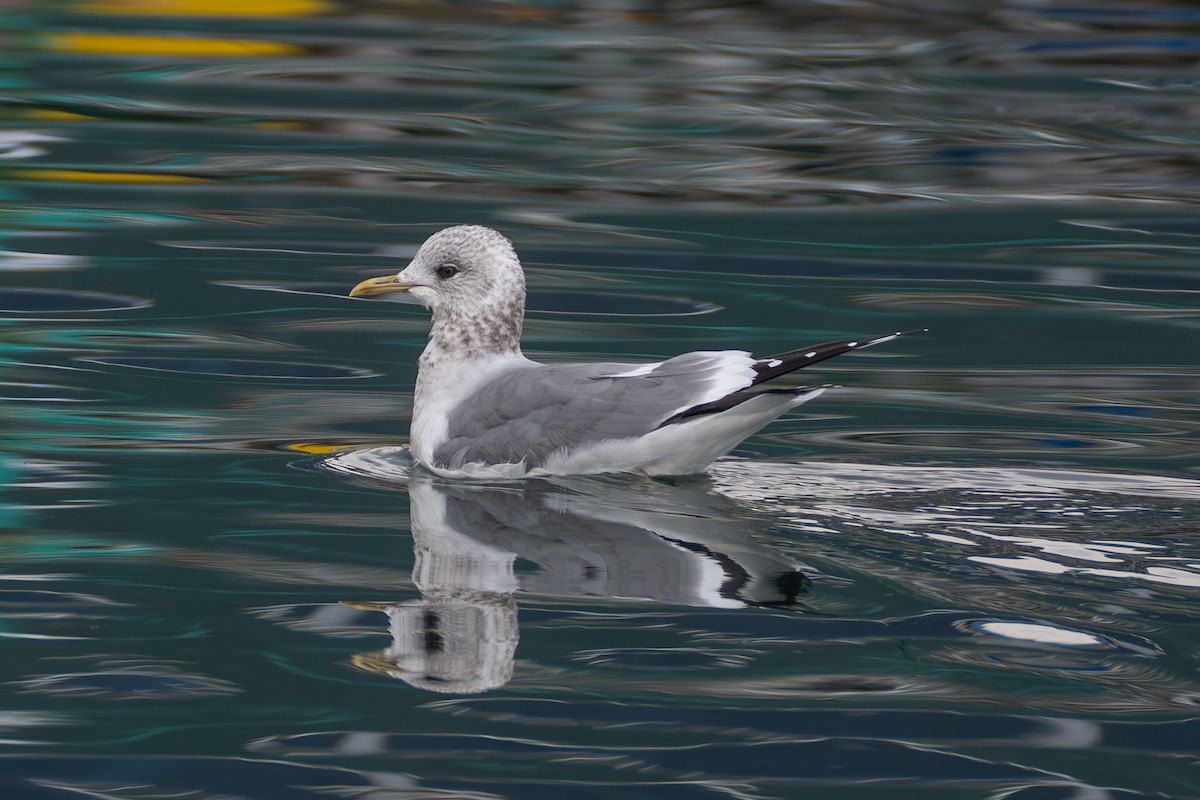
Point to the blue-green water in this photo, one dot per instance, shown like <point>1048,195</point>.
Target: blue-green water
<point>972,570</point>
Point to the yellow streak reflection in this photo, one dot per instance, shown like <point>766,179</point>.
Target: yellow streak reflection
<point>202,8</point>
<point>81,176</point>
<point>132,44</point>
<point>317,449</point>
<point>54,115</point>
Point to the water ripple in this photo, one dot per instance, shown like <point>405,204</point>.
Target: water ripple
<point>56,301</point>
<point>129,682</point>
<point>236,368</point>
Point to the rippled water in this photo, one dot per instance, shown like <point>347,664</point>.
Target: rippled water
<point>972,570</point>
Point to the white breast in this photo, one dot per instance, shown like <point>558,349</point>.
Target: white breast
<point>441,386</point>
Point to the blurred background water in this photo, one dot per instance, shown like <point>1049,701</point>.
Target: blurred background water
<point>970,571</point>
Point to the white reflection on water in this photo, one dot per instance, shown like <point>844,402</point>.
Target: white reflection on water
<point>992,508</point>
<point>1042,634</point>
<point>777,481</point>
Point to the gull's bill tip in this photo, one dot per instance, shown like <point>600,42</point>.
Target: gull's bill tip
<point>385,284</point>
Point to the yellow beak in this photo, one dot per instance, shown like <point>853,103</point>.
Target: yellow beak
<point>382,285</point>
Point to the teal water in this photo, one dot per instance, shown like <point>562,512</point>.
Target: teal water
<point>971,570</point>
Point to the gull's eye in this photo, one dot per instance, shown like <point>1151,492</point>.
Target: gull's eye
<point>446,271</point>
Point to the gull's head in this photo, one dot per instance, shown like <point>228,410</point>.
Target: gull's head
<point>467,270</point>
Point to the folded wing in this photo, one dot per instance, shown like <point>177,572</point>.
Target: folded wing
<point>532,412</point>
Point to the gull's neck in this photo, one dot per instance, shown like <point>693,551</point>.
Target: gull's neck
<point>484,334</point>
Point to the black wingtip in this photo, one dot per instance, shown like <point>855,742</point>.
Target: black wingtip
<point>767,369</point>
<point>887,337</point>
<point>774,366</point>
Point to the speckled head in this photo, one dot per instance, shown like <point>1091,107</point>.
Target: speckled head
<point>465,271</point>
<point>471,279</point>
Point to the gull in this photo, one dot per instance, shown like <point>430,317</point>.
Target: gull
<point>481,409</point>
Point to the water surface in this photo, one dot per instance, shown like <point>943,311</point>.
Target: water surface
<point>970,570</point>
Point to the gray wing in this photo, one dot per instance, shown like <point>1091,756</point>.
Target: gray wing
<point>529,413</point>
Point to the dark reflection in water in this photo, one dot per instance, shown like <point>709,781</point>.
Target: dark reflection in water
<point>776,105</point>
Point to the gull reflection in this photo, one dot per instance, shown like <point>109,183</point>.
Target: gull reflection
<point>683,545</point>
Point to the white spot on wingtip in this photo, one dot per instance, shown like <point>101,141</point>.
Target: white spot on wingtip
<point>852,344</point>
<point>810,355</point>
<point>774,362</point>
